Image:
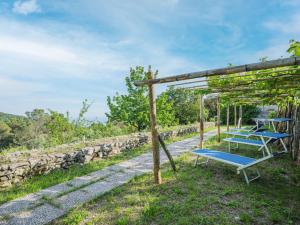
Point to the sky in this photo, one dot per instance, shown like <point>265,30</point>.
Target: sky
<point>56,53</point>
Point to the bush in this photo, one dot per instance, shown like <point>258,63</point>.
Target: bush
<point>249,112</point>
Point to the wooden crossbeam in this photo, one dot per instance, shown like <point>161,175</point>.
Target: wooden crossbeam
<point>252,81</point>
<point>292,61</point>
<point>278,73</point>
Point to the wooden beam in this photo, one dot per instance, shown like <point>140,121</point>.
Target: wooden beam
<point>154,132</point>
<point>227,121</point>
<point>235,116</point>
<point>218,118</point>
<point>224,71</point>
<point>201,121</point>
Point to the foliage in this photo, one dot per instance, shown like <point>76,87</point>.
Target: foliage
<point>294,48</point>
<point>166,115</point>
<point>60,129</point>
<point>185,105</point>
<point>248,112</point>
<point>44,129</point>
<point>5,134</point>
<point>264,87</point>
<point>133,108</point>
<point>272,114</point>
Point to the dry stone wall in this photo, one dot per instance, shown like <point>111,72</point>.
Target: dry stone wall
<point>20,165</point>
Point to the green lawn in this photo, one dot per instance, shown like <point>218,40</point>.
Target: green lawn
<point>203,195</point>
<point>40,182</point>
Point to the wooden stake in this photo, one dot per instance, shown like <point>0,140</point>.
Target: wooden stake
<point>227,117</point>
<point>235,116</point>
<point>218,119</point>
<point>241,116</point>
<point>201,120</point>
<point>163,145</point>
<point>154,132</point>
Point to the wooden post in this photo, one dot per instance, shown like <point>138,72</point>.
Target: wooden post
<point>201,120</point>
<point>241,116</point>
<point>227,117</point>
<point>235,116</point>
<point>218,119</point>
<point>154,132</point>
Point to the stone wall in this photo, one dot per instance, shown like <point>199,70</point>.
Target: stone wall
<point>18,166</point>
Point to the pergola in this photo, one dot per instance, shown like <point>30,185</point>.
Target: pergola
<point>206,84</point>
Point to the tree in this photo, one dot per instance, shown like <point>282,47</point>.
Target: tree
<point>166,113</point>
<point>84,109</point>
<point>294,48</point>
<point>185,105</point>
<point>60,129</point>
<point>5,135</point>
<point>133,108</point>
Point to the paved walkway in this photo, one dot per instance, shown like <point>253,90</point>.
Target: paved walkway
<point>46,205</point>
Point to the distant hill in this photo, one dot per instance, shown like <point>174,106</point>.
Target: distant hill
<point>7,116</point>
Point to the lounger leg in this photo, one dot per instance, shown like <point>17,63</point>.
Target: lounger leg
<point>205,162</point>
<point>252,179</point>
<point>196,162</point>
<point>246,177</point>
<point>265,145</point>
<point>284,146</point>
<point>229,146</point>
<point>273,125</point>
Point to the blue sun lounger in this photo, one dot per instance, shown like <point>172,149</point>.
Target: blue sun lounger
<point>241,162</point>
<point>273,121</point>
<point>265,136</point>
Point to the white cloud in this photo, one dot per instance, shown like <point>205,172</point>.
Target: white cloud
<point>14,88</point>
<point>39,50</point>
<point>26,7</point>
<point>46,61</point>
<point>274,51</point>
<point>291,26</point>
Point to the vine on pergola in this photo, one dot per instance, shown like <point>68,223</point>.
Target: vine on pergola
<point>279,86</point>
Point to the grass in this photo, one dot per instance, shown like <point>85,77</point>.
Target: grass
<point>212,194</point>
<point>40,182</point>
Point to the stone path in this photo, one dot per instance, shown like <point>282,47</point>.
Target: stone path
<point>46,205</point>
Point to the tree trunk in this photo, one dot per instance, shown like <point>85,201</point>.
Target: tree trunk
<point>293,143</point>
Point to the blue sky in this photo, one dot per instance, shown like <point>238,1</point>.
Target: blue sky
<point>55,53</point>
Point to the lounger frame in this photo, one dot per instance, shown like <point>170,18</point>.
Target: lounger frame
<point>240,167</point>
